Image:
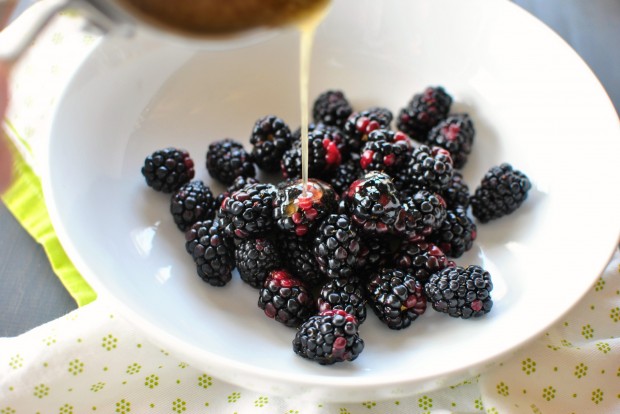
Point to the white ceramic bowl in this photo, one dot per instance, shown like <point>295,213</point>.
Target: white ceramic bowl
<point>535,104</point>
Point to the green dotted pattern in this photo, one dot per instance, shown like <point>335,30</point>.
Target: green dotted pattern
<point>93,361</point>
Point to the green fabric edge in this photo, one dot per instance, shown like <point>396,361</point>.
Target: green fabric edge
<point>24,199</point>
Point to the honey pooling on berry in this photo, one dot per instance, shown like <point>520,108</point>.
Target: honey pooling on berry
<point>297,211</point>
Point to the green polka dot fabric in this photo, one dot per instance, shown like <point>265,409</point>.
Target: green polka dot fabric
<point>95,361</point>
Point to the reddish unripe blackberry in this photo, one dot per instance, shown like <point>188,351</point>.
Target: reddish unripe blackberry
<point>270,137</point>
<point>331,108</point>
<point>248,211</point>
<point>255,258</point>
<point>286,299</point>
<point>168,169</point>
<point>386,151</point>
<point>461,292</point>
<point>457,191</point>
<point>455,134</point>
<point>227,160</point>
<point>337,247</point>
<point>344,294</point>
<point>424,111</point>
<point>424,212</point>
<point>373,204</point>
<point>214,258</point>
<point>191,203</point>
<point>501,191</point>
<point>298,257</point>
<point>396,297</point>
<point>456,234</point>
<point>361,124</point>
<point>299,213</point>
<point>330,337</point>
<point>430,169</point>
<point>421,259</point>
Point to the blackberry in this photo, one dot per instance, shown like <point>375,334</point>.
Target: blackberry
<point>285,298</point>
<point>423,213</point>
<point>168,169</point>
<point>248,211</point>
<point>373,204</point>
<point>337,247</point>
<point>501,191</point>
<point>270,138</point>
<point>377,253</point>
<point>214,258</point>
<point>461,292</point>
<point>298,257</point>
<point>346,174</point>
<point>421,259</point>
<point>344,294</point>
<point>324,156</point>
<point>191,203</point>
<point>423,112</point>
<point>329,337</point>
<point>360,124</point>
<point>227,160</point>
<point>299,214</point>
<point>255,258</point>
<point>456,234</point>
<point>457,191</point>
<point>455,134</point>
<point>385,151</point>
<point>430,169</point>
<point>331,108</point>
<point>396,297</point>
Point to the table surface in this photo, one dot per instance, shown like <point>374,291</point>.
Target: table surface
<point>31,294</point>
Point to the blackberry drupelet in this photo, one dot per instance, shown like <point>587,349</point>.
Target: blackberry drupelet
<point>331,108</point>
<point>248,211</point>
<point>286,299</point>
<point>455,134</point>
<point>421,259</point>
<point>213,256</point>
<point>373,204</point>
<point>424,212</point>
<point>330,337</point>
<point>461,292</point>
<point>191,203</point>
<point>255,258</point>
<point>456,234</point>
<point>168,169</point>
<point>227,160</point>
<point>501,191</point>
<point>386,151</point>
<point>360,124</point>
<point>396,297</point>
<point>423,112</point>
<point>337,247</point>
<point>430,169</point>
<point>324,156</point>
<point>270,138</point>
<point>344,294</point>
<point>457,191</point>
<point>298,257</point>
<point>346,174</point>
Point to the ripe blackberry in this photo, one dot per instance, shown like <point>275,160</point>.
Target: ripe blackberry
<point>191,203</point>
<point>424,212</point>
<point>456,234</point>
<point>423,112</point>
<point>386,151</point>
<point>227,160</point>
<point>346,174</point>
<point>285,298</point>
<point>344,294</point>
<point>331,108</point>
<point>214,258</point>
<point>377,253</point>
<point>337,247</point>
<point>461,292</point>
<point>168,169</point>
<point>396,297</point>
<point>324,156</point>
<point>298,257</point>
<point>373,204</point>
<point>248,211</point>
<point>421,259</point>
<point>455,134</point>
<point>360,124</point>
<point>457,191</point>
<point>501,191</point>
<point>299,214</point>
<point>238,184</point>
<point>430,169</point>
<point>270,138</point>
<point>255,258</point>
<point>330,337</point>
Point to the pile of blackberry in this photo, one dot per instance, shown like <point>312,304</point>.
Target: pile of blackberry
<point>385,214</point>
